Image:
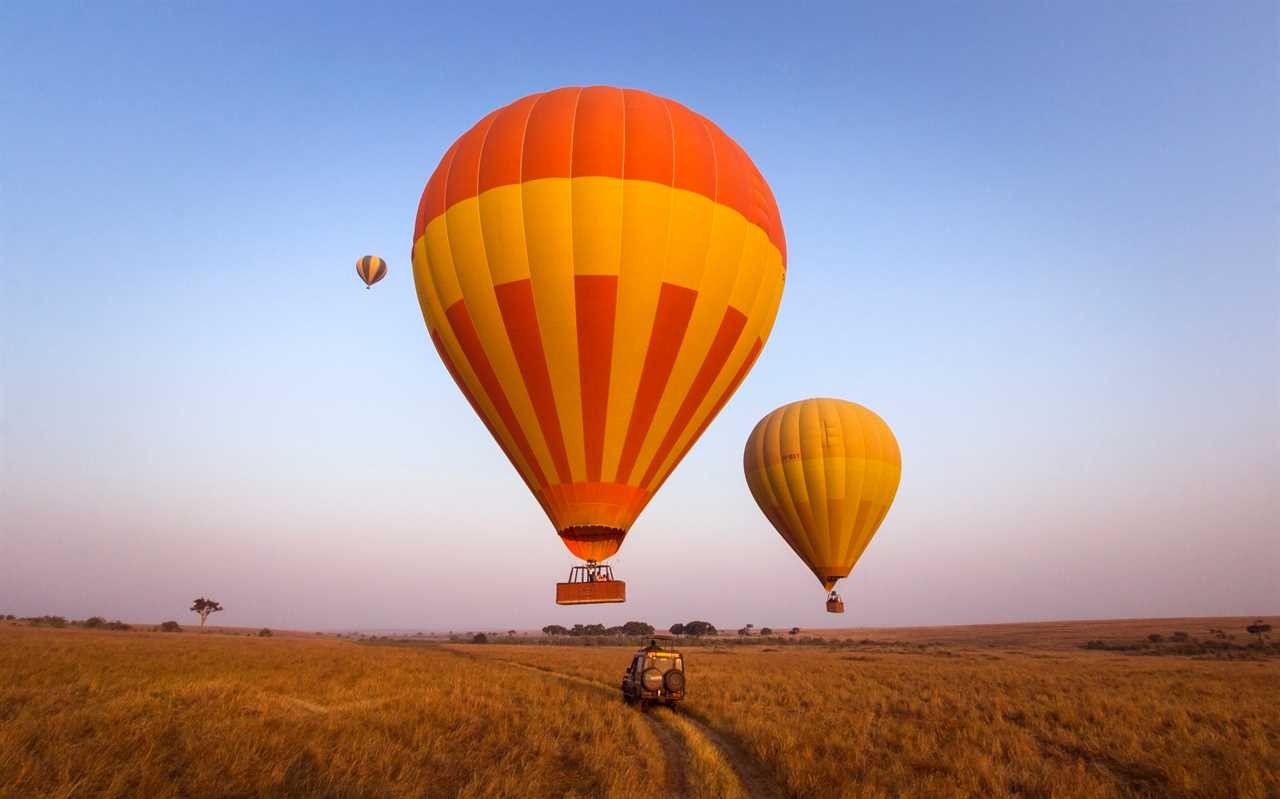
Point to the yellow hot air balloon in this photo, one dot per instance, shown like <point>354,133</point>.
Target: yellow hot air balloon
<point>824,471</point>
<point>371,269</point>
<point>598,268</point>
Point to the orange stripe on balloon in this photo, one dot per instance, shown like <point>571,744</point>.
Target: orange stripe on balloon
<point>432,204</point>
<point>695,155</point>
<point>738,377</point>
<point>598,125</point>
<point>500,163</point>
<point>515,302</point>
<point>731,326</point>
<point>469,340</point>
<point>597,301</point>
<point>595,504</point>
<point>647,138</point>
<point>475,406</point>
<point>464,175</point>
<point>548,140</point>
<point>675,306</point>
<point>576,132</point>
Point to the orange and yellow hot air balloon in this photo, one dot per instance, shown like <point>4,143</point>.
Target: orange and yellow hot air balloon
<point>825,472</point>
<point>371,269</point>
<point>598,268</point>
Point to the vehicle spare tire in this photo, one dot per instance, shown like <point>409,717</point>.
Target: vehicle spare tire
<point>651,679</point>
<point>674,681</point>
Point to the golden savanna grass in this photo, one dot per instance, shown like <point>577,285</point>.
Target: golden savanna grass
<point>148,714</point>
<point>188,715</point>
<point>851,722</point>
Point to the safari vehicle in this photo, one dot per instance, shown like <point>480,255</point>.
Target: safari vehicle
<point>655,675</point>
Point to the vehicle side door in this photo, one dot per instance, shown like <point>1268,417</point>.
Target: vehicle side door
<point>633,672</point>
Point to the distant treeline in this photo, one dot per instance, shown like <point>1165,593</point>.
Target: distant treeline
<point>1219,645</point>
<point>100,623</point>
<point>705,641</point>
<point>579,630</point>
<point>695,629</point>
<point>91,623</point>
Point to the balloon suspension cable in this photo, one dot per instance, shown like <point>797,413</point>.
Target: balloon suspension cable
<point>592,572</point>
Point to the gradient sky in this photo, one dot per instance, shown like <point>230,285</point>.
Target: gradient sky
<point>1041,240</point>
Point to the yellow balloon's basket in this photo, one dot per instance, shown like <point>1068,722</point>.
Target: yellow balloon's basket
<point>592,584</point>
<point>834,603</point>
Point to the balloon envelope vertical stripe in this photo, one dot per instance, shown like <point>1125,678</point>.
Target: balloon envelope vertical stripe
<point>599,268</point>
<point>824,472</point>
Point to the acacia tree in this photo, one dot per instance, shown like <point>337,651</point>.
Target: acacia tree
<point>204,607</point>
<point>1260,629</point>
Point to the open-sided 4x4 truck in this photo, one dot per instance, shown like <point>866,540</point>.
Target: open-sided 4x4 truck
<point>654,676</point>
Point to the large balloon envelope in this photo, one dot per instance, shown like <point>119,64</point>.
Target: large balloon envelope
<point>825,472</point>
<point>598,268</point>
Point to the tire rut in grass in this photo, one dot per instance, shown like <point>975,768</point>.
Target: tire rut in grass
<point>752,777</point>
<point>676,776</point>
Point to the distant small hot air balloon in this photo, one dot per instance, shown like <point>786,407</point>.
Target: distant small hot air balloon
<point>598,268</point>
<point>371,269</point>
<point>824,471</point>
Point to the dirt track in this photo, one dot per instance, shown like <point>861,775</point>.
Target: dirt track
<point>682,737</point>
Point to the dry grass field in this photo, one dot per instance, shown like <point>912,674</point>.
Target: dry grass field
<point>989,713</point>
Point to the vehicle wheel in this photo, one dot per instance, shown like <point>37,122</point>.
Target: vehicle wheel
<point>673,681</point>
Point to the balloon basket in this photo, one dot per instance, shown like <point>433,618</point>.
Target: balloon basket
<point>591,584</point>
<point>834,603</point>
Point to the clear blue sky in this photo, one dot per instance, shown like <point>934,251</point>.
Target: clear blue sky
<point>1041,240</point>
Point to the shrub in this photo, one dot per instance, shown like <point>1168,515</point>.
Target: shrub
<point>766,631</point>
<point>479,638</point>
<point>1155,638</point>
<point>265,632</point>
<point>698,628</point>
<point>1181,637</point>
<point>169,627</point>
<point>555,629</point>
<point>794,631</point>
<point>117,625</point>
<point>676,629</point>
<point>93,622</point>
